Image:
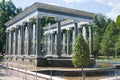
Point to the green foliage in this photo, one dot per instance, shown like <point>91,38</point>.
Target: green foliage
<point>109,39</point>
<point>106,32</point>
<point>99,29</point>
<point>7,11</point>
<point>118,20</point>
<point>80,56</point>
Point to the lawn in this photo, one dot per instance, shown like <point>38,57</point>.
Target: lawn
<point>111,58</point>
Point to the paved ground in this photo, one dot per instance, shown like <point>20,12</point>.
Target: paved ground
<point>7,74</point>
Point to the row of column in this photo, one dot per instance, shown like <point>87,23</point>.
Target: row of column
<point>24,39</point>
<point>66,43</point>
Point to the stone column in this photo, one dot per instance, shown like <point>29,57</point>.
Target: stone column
<point>16,39</point>
<point>76,29</point>
<point>48,43</point>
<point>7,35</point>
<point>68,41</point>
<point>45,44</point>
<point>52,42</point>
<point>73,38</point>
<point>22,45</point>
<point>30,37</point>
<point>91,40</point>
<point>11,41</point>
<point>10,44</point>
<point>29,41</point>
<point>59,38</point>
<point>38,37</point>
<point>19,41</point>
<point>64,43</point>
<point>55,44</point>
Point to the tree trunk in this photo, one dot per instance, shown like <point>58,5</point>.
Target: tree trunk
<point>83,76</point>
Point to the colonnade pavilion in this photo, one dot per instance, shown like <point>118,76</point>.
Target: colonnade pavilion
<point>24,35</point>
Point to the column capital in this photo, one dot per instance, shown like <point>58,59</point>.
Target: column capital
<point>7,31</point>
<point>39,16</point>
<point>80,26</point>
<point>91,22</point>
<point>52,32</point>
<point>76,20</point>
<point>68,28</point>
<point>17,26</point>
<point>12,29</point>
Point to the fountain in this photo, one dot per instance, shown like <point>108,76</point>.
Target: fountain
<point>14,43</point>
<point>33,41</point>
<point>64,44</point>
<point>48,43</point>
<point>9,48</point>
<point>55,47</point>
<point>19,43</point>
<point>84,33</point>
<point>73,39</point>
<point>26,41</point>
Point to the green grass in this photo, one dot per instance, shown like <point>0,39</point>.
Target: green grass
<point>103,62</point>
<point>104,65</point>
<point>106,58</point>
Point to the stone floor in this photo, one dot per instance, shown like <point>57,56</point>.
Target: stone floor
<point>15,75</point>
<point>7,74</point>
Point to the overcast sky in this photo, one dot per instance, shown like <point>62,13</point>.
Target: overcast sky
<point>110,8</point>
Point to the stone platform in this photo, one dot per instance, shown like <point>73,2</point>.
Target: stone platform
<point>45,61</point>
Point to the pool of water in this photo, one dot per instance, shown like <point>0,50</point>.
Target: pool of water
<point>110,72</point>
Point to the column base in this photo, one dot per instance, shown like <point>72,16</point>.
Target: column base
<point>45,61</point>
<point>28,60</point>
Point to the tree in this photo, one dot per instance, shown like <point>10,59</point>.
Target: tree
<point>80,56</point>
<point>98,31</point>
<point>118,36</point>
<point>109,39</point>
<point>7,11</point>
<point>118,20</point>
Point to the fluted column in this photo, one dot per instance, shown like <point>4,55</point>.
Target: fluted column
<point>52,43</point>
<point>73,38</point>
<point>29,37</point>
<point>76,29</point>
<point>13,49</point>
<point>64,43</point>
<point>59,38</point>
<point>11,42</point>
<point>38,36</point>
<point>68,41</point>
<point>7,36</point>
<point>22,39</point>
<point>16,39</point>
<point>19,41</point>
<point>91,40</point>
<point>55,43</point>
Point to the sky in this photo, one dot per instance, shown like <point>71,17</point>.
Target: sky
<point>109,8</point>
